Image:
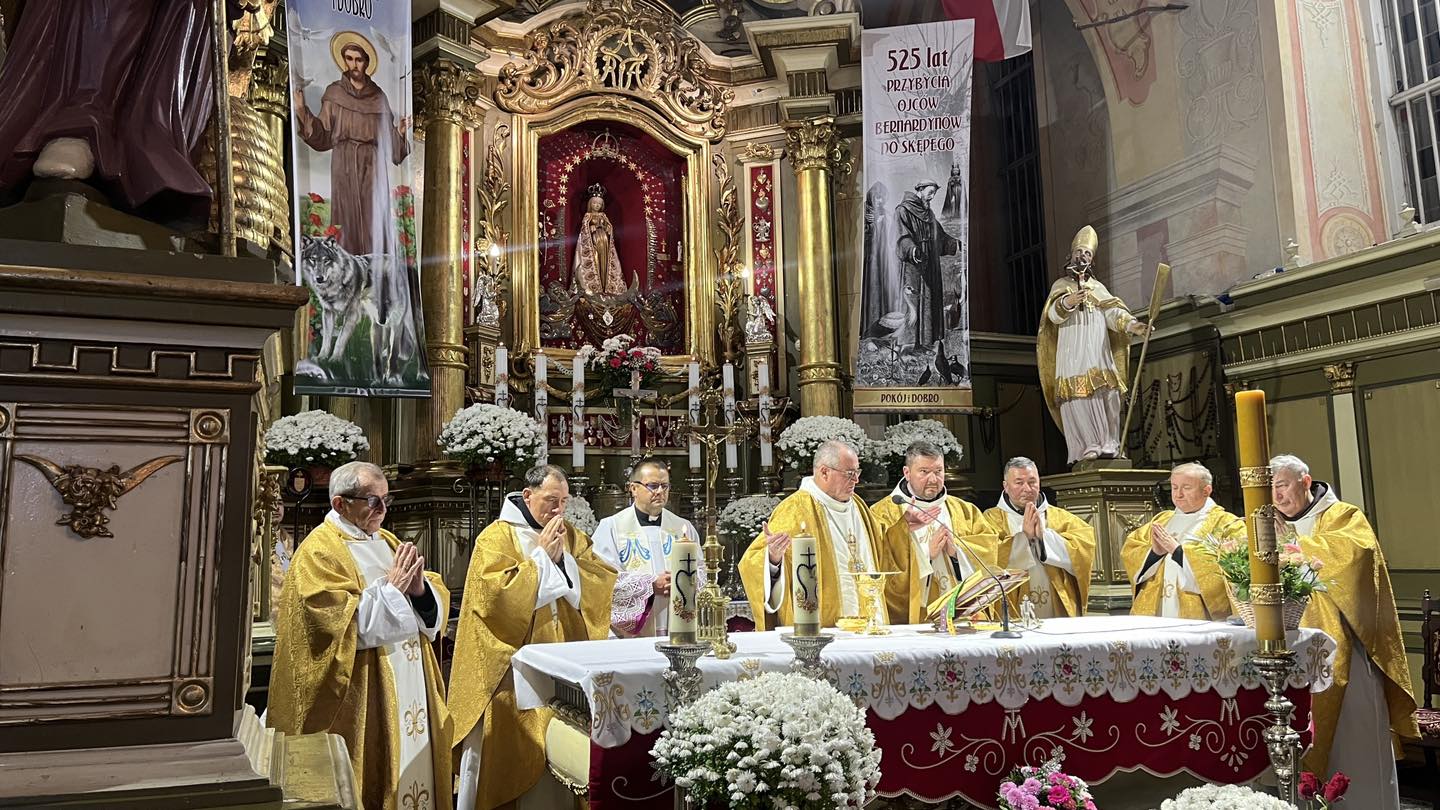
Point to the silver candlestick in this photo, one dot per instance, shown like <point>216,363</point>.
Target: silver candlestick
<point>807,653</point>
<point>1282,741</point>
<point>682,679</point>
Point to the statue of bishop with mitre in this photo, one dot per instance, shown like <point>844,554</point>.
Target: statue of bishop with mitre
<point>1083,351</point>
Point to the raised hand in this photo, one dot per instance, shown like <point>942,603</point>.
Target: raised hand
<point>918,517</point>
<point>552,538</point>
<point>776,544</point>
<point>1139,329</point>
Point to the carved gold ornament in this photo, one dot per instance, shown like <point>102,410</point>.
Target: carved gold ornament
<point>90,490</point>
<point>622,47</point>
<point>1255,476</point>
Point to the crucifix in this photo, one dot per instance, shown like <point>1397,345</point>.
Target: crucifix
<point>635,394</point>
<point>712,432</point>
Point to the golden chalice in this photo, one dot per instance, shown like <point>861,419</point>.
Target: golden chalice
<point>870,592</point>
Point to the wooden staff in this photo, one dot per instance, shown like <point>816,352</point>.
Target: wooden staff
<point>1162,277</point>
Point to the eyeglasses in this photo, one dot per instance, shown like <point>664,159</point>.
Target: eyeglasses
<point>375,502</point>
<point>655,488</point>
<point>850,475</point>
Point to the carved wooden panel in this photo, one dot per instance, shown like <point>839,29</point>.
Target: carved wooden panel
<point>124,505</point>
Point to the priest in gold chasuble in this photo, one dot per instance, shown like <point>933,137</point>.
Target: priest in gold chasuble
<point>1171,571</point>
<point>353,653</point>
<point>847,538</point>
<point>533,579</point>
<point>1056,547</point>
<point>1358,718</point>
<point>919,513</point>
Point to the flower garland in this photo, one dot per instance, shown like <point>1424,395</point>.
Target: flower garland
<point>486,434</point>
<point>797,444</point>
<point>313,439</point>
<point>779,740</point>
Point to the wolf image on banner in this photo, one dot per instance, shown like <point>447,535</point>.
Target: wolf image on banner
<point>355,204</point>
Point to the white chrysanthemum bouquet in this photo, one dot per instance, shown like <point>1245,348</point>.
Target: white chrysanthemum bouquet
<point>797,444</point>
<point>1224,797</point>
<point>888,452</point>
<point>779,740</point>
<point>743,518</point>
<point>579,514</point>
<point>313,439</point>
<point>485,434</point>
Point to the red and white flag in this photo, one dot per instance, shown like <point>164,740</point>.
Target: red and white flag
<point>1002,27</point>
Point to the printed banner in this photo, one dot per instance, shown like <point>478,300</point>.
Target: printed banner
<point>355,207</point>
<point>914,336</point>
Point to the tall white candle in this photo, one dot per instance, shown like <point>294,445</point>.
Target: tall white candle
<point>542,404</point>
<point>728,380</point>
<point>767,451</point>
<point>684,564</point>
<point>577,414</point>
<point>694,412</point>
<point>502,376</point>
<point>634,413</point>
<point>804,584</point>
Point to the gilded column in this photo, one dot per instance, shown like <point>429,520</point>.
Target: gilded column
<point>445,96</point>
<point>812,145</point>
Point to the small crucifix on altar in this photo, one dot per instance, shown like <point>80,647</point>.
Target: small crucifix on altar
<point>636,395</point>
<point>713,433</point>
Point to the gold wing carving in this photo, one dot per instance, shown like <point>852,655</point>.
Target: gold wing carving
<point>90,490</point>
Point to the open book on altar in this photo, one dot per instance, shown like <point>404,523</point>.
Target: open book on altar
<point>979,591</point>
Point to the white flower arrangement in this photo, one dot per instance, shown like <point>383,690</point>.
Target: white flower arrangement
<point>889,450</point>
<point>743,518</point>
<point>313,439</point>
<point>797,444</point>
<point>779,740</point>
<point>486,434</point>
<point>579,514</point>
<point>1224,797</point>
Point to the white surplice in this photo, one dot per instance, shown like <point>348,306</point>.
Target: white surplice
<point>639,553</point>
<point>1179,577</point>
<point>1024,556</point>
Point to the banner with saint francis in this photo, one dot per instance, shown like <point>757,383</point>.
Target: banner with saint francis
<point>357,250</point>
<point>914,335</point>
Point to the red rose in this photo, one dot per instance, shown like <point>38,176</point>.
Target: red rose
<point>315,219</point>
<point>410,211</point>
<point>1336,787</point>
<point>614,362</point>
<point>404,238</point>
<point>399,190</point>
<point>332,231</point>
<point>1309,786</point>
<point>316,198</point>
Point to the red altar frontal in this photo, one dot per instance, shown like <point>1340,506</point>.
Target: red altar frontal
<point>953,715</point>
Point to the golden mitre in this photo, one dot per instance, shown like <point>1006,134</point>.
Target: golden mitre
<point>1085,239</point>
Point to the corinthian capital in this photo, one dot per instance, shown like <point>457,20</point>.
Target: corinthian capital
<point>446,91</point>
<point>815,143</point>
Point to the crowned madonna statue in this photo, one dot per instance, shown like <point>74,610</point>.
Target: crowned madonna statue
<point>597,261</point>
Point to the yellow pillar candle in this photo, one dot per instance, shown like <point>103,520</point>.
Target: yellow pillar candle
<point>684,563</point>
<point>804,584</point>
<point>1265,596</point>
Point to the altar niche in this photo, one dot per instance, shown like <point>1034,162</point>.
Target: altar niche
<point>612,237</point>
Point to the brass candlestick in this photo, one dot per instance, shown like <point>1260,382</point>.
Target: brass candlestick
<point>711,603</point>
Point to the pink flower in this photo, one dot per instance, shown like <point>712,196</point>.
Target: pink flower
<point>1031,786</point>
<point>1316,564</point>
<point>1089,805</point>
<point>1059,795</point>
<point>1292,548</point>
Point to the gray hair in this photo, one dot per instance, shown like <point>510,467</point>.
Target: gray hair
<point>828,453</point>
<point>1019,463</point>
<point>1291,463</point>
<point>923,448</point>
<point>535,477</point>
<point>1195,470</point>
<point>346,480</point>
<point>655,464</point>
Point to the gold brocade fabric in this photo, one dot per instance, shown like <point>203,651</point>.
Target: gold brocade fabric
<point>497,617</point>
<point>970,528</point>
<point>1048,337</point>
<point>800,508</point>
<point>1073,592</point>
<point>1357,605</point>
<point>320,682</point>
<point>1085,385</point>
<point>1212,602</point>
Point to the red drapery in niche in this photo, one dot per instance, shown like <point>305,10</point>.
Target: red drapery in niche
<point>643,183</point>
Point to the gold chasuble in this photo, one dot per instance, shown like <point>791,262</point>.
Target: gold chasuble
<point>1192,589</point>
<point>320,682</point>
<point>1358,606</point>
<point>498,615</point>
<point>1066,581</point>
<point>805,509</point>
<point>927,579</point>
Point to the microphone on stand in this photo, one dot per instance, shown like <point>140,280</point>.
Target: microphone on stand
<point>1004,631</point>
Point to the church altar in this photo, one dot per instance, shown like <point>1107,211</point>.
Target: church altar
<point>1114,693</point>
